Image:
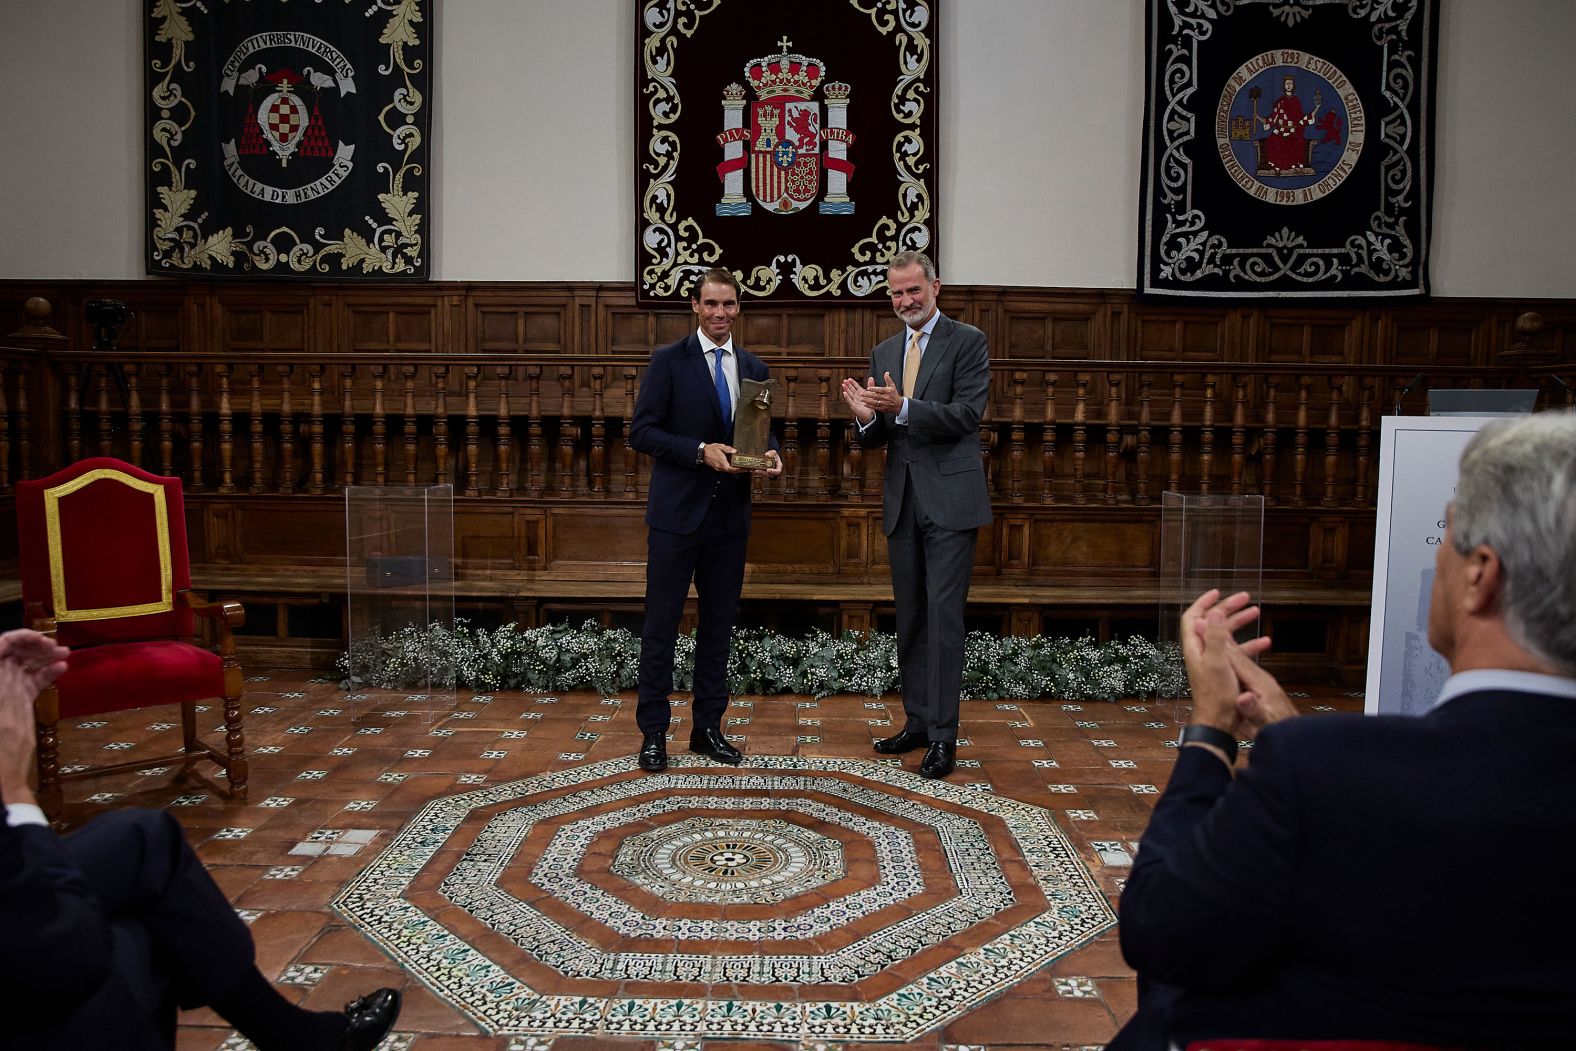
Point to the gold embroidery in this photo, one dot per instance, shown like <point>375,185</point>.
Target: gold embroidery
<point>57,565</point>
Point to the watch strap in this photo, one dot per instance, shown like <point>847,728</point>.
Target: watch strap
<point>1197,732</point>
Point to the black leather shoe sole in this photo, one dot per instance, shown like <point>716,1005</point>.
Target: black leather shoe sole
<point>907,741</point>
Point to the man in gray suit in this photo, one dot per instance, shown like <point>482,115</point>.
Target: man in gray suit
<point>935,498</point>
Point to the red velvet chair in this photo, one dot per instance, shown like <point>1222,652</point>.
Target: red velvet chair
<point>105,571</point>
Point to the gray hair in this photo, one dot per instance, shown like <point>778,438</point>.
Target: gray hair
<point>910,258</point>
<point>1517,494</point>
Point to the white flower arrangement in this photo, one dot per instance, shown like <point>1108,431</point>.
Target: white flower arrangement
<point>560,658</point>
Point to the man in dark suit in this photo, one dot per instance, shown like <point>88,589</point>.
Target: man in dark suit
<point>1392,877</point>
<point>105,931</point>
<point>697,516</point>
<point>934,496</point>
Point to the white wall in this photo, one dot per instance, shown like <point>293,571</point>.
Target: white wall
<point>1041,114</point>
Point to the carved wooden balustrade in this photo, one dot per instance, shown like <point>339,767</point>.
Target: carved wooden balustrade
<point>1117,435</point>
<point>549,496</point>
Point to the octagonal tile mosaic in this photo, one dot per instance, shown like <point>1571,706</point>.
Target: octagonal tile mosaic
<point>790,898</point>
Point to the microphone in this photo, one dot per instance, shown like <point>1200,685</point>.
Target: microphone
<point>1566,387</point>
<point>1407,390</point>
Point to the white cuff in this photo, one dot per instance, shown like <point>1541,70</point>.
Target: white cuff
<point>24,814</point>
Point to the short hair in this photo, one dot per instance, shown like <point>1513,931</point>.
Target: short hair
<point>910,258</point>
<point>1517,494</point>
<point>717,276</point>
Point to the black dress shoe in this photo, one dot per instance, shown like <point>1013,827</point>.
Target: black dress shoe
<point>906,741</point>
<point>940,759</point>
<point>710,743</point>
<point>654,753</point>
<point>371,1018</point>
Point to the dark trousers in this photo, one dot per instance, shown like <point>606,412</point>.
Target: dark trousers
<point>931,568</point>
<point>177,940</point>
<point>714,560</point>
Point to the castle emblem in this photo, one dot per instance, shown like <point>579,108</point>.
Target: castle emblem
<point>785,135</point>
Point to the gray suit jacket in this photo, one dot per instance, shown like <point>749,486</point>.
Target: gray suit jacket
<point>938,451</point>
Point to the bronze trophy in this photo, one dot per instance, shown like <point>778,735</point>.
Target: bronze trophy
<point>752,425</point>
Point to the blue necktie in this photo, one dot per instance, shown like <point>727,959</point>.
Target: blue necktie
<point>723,398</point>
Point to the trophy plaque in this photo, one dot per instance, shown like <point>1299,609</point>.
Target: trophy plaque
<point>752,425</point>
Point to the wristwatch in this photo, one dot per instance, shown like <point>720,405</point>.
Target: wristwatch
<point>1210,735</point>
<point>700,454</point>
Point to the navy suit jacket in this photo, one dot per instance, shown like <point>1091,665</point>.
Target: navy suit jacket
<point>1384,877</point>
<point>677,410</point>
<point>55,943</point>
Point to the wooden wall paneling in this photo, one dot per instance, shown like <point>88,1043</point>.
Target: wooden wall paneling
<point>858,533</point>
<point>633,331</point>
<point>1327,546</point>
<point>523,392</point>
<point>987,553</point>
<point>534,322</point>
<point>1094,548</point>
<point>1438,337</point>
<point>1306,337</point>
<point>530,542</point>
<point>279,535</point>
<point>1016,544</point>
<point>251,322</point>
<point>377,323</point>
<point>1195,337</point>
<point>1032,328</point>
<point>595,543</point>
<point>789,543</point>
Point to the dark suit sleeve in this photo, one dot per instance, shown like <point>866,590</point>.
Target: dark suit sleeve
<point>648,431</point>
<point>1207,903</point>
<point>55,944</point>
<point>960,415</point>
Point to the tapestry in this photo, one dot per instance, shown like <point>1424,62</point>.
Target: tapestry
<point>1288,149</point>
<point>288,139</point>
<point>793,144</point>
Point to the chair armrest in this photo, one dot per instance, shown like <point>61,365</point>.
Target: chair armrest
<point>230,614</point>
<point>39,619</point>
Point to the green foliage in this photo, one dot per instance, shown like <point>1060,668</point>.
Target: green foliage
<point>560,658</point>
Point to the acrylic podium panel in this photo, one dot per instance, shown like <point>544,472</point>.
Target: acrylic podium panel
<point>399,582</point>
<point>1208,541</point>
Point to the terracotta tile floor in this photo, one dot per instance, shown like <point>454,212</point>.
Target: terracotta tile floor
<point>329,794</point>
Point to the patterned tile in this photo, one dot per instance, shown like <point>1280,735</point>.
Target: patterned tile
<point>355,787</point>
<point>720,862</point>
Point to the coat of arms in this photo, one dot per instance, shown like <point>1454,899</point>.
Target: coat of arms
<point>784,136</point>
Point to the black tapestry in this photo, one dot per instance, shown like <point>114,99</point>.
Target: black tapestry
<point>1288,149</point>
<point>794,144</point>
<point>289,139</point>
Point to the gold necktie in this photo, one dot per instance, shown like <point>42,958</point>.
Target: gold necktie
<point>911,366</point>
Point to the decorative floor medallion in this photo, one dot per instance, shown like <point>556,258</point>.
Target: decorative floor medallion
<point>736,860</point>
<point>893,904</point>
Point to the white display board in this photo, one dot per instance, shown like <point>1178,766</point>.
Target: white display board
<point>1419,462</point>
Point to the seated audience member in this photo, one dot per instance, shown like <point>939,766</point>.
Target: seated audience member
<point>1384,878</point>
<point>105,931</point>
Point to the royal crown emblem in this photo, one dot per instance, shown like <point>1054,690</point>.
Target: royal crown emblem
<point>784,136</point>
